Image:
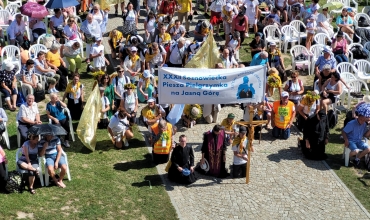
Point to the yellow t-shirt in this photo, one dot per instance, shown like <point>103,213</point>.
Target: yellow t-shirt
<point>228,127</point>
<point>53,58</point>
<point>185,6</point>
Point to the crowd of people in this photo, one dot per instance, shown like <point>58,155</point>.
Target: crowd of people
<point>165,43</point>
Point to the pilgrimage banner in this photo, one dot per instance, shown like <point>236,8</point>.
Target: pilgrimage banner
<point>211,86</point>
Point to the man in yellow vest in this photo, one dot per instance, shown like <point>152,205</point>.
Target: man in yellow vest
<point>283,114</point>
<point>162,141</point>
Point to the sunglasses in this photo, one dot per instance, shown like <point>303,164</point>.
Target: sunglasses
<point>71,20</point>
<point>106,78</point>
<point>121,71</point>
<point>293,77</point>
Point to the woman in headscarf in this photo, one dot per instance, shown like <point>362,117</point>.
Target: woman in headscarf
<point>315,136</point>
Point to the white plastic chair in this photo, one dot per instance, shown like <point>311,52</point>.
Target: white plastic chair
<point>358,16</point>
<point>5,17</point>
<point>366,9</point>
<point>19,2</point>
<point>347,152</point>
<point>321,38</point>
<point>47,173</point>
<point>316,51</point>
<point>35,49</point>
<point>316,85</point>
<point>42,36</point>
<point>291,35</point>
<point>347,78</point>
<point>11,52</point>
<point>363,69</point>
<point>5,136</point>
<point>356,86</point>
<point>12,9</point>
<point>346,67</point>
<point>66,111</point>
<point>346,36</point>
<point>21,171</point>
<point>350,54</point>
<point>297,25</point>
<point>269,33</point>
<point>297,50</point>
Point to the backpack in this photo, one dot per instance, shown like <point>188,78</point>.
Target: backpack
<point>362,22</point>
<point>116,79</point>
<point>358,53</point>
<point>332,118</point>
<point>14,182</point>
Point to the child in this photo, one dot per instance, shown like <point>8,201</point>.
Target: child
<point>311,28</point>
<point>104,121</point>
<point>239,147</point>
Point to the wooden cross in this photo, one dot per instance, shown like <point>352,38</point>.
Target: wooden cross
<point>250,124</point>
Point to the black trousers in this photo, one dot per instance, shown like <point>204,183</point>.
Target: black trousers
<point>239,171</point>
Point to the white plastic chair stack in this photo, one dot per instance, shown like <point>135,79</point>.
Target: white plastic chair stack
<point>291,35</point>
<point>356,87</point>
<point>298,50</point>
<point>321,38</point>
<point>363,69</point>
<point>316,51</point>
<point>66,111</point>
<point>358,16</point>
<point>13,55</point>
<point>350,54</point>
<point>5,17</point>
<point>35,49</point>
<point>346,67</point>
<point>297,25</point>
<point>21,171</point>
<point>46,169</point>
<point>270,32</point>
<point>5,135</point>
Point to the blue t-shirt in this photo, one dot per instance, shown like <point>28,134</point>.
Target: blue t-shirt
<point>355,131</point>
<point>341,21</point>
<point>321,62</point>
<point>56,111</point>
<point>257,60</point>
<point>51,150</point>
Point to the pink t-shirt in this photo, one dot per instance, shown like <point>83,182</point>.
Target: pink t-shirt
<point>238,27</point>
<point>341,45</point>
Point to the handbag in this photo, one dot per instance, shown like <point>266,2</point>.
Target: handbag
<point>2,128</point>
<point>39,95</point>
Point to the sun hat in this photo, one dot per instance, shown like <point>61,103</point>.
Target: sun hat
<point>231,115</point>
<point>9,66</point>
<point>272,44</point>
<point>146,74</point>
<point>133,49</point>
<point>228,7</point>
<point>194,111</point>
<point>205,165</point>
<point>364,110</point>
<point>98,39</point>
<point>271,16</point>
<point>151,100</point>
<point>285,94</point>
<point>326,50</point>
<point>205,24</point>
<point>185,172</point>
<point>312,16</point>
<point>258,34</point>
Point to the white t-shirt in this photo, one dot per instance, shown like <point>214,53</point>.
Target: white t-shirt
<point>98,61</point>
<point>38,24</point>
<point>150,25</point>
<point>130,101</point>
<point>117,126</point>
<point>179,31</point>
<point>177,54</point>
<point>120,84</point>
<point>312,110</point>
<point>238,160</point>
<point>127,65</point>
<point>280,3</point>
<point>250,7</point>
<point>216,5</point>
<point>98,17</point>
<point>295,87</point>
<point>228,62</point>
<point>28,112</point>
<point>57,21</point>
<point>311,25</point>
<point>104,103</point>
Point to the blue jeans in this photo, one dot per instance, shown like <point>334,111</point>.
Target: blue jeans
<point>281,133</point>
<point>341,58</point>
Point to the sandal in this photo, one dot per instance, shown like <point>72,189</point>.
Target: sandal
<point>32,191</point>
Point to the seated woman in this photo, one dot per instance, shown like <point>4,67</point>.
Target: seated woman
<point>190,115</point>
<point>54,111</point>
<point>57,24</point>
<point>146,86</point>
<point>182,163</point>
<point>75,95</point>
<point>71,31</point>
<point>9,85</point>
<point>345,23</point>
<point>118,129</point>
<point>315,137</point>
<point>42,68</point>
<point>330,91</point>
<point>29,160</point>
<point>130,103</point>
<point>340,48</point>
<point>309,105</point>
<point>295,88</point>
<point>51,148</point>
<point>29,79</point>
<point>71,51</point>
<point>55,61</point>
<point>323,23</point>
<point>38,28</point>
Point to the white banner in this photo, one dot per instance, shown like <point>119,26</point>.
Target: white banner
<point>211,86</point>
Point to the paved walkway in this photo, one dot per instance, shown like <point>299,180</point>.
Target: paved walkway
<point>283,185</point>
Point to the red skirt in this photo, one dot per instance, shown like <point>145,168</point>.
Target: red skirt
<point>216,18</point>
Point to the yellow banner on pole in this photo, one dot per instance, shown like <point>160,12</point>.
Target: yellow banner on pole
<point>86,129</point>
<point>207,56</point>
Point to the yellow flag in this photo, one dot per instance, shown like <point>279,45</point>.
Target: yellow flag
<point>207,56</point>
<point>86,129</point>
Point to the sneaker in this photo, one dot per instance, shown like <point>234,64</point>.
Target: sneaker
<point>246,35</point>
<point>356,162</point>
<point>54,90</point>
<point>126,143</point>
<point>66,144</point>
<point>50,91</point>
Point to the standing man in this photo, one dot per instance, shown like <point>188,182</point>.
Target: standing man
<point>184,9</point>
<point>283,114</point>
<point>214,151</point>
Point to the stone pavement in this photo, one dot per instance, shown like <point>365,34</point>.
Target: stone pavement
<point>283,185</point>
